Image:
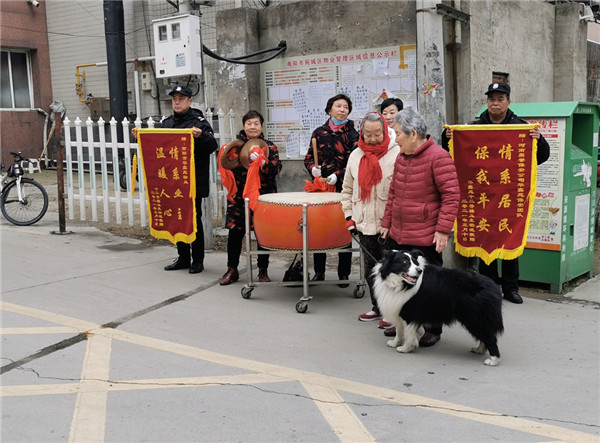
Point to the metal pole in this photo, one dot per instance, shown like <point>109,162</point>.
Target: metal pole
<point>59,175</point>
<point>305,252</point>
<point>248,244</point>
<point>114,30</point>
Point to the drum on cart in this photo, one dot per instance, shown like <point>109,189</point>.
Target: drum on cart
<point>278,221</point>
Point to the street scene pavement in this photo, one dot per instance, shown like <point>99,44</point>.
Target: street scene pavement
<point>99,343</point>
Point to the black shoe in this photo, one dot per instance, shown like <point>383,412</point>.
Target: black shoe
<point>428,339</point>
<point>177,264</point>
<point>513,297</point>
<point>319,276</point>
<point>196,268</point>
<point>343,285</point>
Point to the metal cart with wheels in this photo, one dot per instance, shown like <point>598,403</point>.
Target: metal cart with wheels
<point>302,304</point>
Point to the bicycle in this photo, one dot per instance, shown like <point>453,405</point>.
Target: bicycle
<point>23,201</point>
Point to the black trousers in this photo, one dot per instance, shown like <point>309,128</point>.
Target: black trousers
<point>510,274</point>
<point>234,250</point>
<point>344,263</point>
<point>433,257</point>
<point>370,259</point>
<point>197,246</point>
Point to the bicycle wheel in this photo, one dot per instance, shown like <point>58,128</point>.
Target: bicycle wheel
<point>31,209</point>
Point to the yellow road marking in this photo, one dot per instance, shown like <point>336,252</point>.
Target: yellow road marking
<point>342,419</point>
<point>38,330</point>
<point>89,418</point>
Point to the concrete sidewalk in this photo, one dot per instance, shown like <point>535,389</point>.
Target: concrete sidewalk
<point>100,344</point>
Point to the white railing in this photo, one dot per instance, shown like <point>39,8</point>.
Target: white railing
<point>95,171</point>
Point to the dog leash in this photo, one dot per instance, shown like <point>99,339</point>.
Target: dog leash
<point>355,235</point>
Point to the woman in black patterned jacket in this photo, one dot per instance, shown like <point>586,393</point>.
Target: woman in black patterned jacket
<point>336,139</point>
<point>235,218</point>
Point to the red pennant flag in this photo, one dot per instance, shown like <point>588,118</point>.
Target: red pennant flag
<point>170,178</point>
<point>497,171</point>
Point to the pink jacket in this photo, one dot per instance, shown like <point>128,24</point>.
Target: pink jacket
<point>424,196</point>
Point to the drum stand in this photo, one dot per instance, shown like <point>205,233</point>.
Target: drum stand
<point>302,304</point>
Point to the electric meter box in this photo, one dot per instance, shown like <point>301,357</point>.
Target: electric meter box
<point>177,46</point>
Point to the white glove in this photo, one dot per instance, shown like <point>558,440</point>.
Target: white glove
<point>332,179</point>
<point>316,171</point>
<point>253,156</point>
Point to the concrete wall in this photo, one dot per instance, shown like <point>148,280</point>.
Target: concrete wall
<point>516,37</point>
<point>570,54</point>
<point>24,27</point>
<point>308,27</point>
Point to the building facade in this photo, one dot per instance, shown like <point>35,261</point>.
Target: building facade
<point>25,77</point>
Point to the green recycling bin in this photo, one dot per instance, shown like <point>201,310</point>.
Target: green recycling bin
<point>560,243</point>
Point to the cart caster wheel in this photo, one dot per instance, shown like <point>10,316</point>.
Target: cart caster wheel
<point>359,292</point>
<point>247,292</point>
<point>301,307</point>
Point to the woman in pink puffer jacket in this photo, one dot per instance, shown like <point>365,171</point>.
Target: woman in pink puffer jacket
<point>424,197</point>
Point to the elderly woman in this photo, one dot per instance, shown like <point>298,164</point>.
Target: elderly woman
<point>335,140</point>
<point>365,192</point>
<point>235,219</point>
<point>423,200</point>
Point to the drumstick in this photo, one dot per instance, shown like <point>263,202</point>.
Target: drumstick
<point>315,152</point>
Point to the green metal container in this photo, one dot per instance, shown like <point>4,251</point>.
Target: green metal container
<point>560,244</point>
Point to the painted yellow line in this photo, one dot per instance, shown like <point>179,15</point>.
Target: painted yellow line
<point>39,330</point>
<point>50,317</point>
<point>26,390</point>
<point>89,417</point>
<point>383,394</point>
<point>342,419</point>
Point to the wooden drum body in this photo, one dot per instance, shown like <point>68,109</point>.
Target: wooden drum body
<point>278,221</point>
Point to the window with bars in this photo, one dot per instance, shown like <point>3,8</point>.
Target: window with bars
<point>15,79</point>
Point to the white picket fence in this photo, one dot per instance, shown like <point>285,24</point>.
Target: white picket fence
<point>93,170</point>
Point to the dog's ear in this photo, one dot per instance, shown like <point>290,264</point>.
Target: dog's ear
<point>419,257</point>
<point>386,263</point>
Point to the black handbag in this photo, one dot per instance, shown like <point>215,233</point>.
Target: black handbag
<point>294,272</point>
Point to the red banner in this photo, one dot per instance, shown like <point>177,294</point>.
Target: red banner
<point>496,167</point>
<point>169,175</point>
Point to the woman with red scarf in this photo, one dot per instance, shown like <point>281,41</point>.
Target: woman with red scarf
<point>365,192</point>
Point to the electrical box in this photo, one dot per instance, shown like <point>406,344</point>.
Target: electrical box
<point>146,84</point>
<point>177,46</point>
<point>100,107</point>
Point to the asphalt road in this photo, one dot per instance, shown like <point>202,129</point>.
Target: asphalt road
<point>100,344</point>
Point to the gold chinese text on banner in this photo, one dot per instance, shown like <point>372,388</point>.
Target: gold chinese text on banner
<point>170,178</point>
<point>496,167</point>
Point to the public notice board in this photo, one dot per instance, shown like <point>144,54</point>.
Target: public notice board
<point>295,90</point>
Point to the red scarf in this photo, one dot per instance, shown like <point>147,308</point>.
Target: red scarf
<point>369,169</point>
<point>252,187</point>
<point>227,178</point>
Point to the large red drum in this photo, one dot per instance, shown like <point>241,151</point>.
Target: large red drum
<point>278,221</point>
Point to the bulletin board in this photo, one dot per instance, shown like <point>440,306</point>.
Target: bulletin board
<point>295,90</point>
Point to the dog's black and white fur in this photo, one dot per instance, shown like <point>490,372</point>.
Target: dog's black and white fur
<point>411,293</point>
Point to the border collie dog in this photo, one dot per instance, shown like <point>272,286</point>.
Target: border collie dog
<point>411,293</point>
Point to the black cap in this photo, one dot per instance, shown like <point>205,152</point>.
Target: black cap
<point>183,90</point>
<point>498,87</point>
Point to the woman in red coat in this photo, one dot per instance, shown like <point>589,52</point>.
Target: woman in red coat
<point>423,199</point>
